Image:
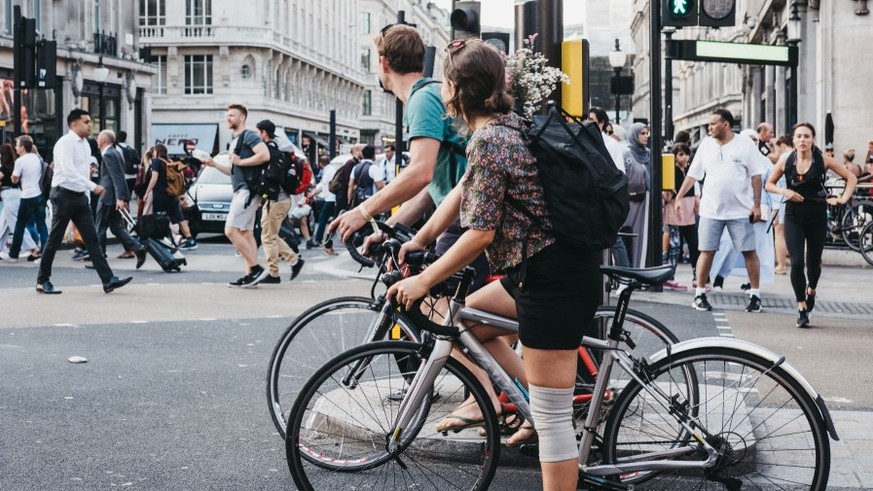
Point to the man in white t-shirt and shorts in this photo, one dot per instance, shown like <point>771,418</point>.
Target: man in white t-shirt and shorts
<point>731,200</point>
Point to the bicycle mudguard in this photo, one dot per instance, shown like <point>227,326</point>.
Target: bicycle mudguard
<point>756,350</point>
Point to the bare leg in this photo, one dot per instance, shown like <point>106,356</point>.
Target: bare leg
<point>244,241</point>
<point>781,248</point>
<point>704,264</point>
<point>753,267</point>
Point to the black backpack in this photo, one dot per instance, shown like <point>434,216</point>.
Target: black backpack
<point>253,175</point>
<point>45,181</point>
<point>586,194</point>
<point>131,159</point>
<point>275,173</point>
<point>363,183</point>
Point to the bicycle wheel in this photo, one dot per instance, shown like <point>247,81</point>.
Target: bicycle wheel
<point>317,335</point>
<point>865,242</point>
<point>767,430</point>
<point>338,431</point>
<point>648,335</point>
<point>854,221</point>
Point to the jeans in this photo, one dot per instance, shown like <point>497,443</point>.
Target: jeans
<point>327,211</point>
<point>72,206</point>
<point>27,209</point>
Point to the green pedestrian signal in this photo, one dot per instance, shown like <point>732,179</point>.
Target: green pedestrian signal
<point>679,13</point>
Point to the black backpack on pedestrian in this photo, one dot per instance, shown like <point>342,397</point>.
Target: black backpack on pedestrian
<point>279,174</point>
<point>131,159</point>
<point>363,183</point>
<point>586,194</point>
<point>45,181</point>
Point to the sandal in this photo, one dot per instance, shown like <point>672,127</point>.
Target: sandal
<point>526,434</point>
<point>445,425</point>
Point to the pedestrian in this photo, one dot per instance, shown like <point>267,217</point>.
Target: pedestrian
<point>637,170</point>
<point>161,202</point>
<point>69,197</point>
<point>343,197</point>
<point>366,177</point>
<point>115,199</point>
<point>27,173</point>
<point>731,199</point>
<point>766,141</point>
<point>806,201</point>
<point>560,283</point>
<point>681,228</point>
<point>143,177</point>
<point>326,199</point>
<point>274,213</point>
<point>131,160</point>
<point>248,154</point>
<point>10,194</point>
<point>388,164</point>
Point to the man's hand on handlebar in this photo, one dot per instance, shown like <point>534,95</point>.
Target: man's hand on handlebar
<point>372,240</point>
<point>348,223</point>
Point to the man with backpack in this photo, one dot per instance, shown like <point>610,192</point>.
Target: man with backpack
<point>275,210</point>
<point>131,160</point>
<point>249,154</point>
<point>366,177</point>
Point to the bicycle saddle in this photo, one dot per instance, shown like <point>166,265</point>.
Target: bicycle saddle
<point>646,276</point>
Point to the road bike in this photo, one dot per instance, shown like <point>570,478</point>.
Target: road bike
<point>865,242</point>
<point>334,326</point>
<point>706,413</point>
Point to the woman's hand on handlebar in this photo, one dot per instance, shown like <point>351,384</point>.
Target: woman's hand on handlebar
<point>410,246</point>
<point>372,240</point>
<point>407,291</point>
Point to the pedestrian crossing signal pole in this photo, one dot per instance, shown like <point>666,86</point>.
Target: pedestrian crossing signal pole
<point>653,235</point>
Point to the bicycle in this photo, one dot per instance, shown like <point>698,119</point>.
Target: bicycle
<point>708,410</point>
<point>846,221</point>
<point>334,326</point>
<point>865,243</point>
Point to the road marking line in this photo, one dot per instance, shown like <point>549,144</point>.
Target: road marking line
<point>726,328</point>
<point>66,325</point>
<point>208,319</point>
<point>139,322</point>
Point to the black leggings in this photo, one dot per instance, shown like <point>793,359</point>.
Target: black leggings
<point>809,229</point>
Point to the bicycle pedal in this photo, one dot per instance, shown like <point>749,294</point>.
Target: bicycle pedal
<point>530,449</point>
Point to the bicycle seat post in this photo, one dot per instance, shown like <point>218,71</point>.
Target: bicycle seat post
<point>616,331</point>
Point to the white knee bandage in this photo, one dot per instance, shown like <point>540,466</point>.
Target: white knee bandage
<point>552,411</point>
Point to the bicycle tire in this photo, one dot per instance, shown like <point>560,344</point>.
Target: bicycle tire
<point>854,220</point>
<point>335,429</point>
<point>865,243</point>
<point>291,365</point>
<point>764,430</point>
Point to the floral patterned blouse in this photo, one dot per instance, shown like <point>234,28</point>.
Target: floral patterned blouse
<point>499,164</point>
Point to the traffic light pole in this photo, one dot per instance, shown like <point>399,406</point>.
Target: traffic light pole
<point>398,108</point>
<point>668,92</point>
<point>653,246</point>
<point>18,75</point>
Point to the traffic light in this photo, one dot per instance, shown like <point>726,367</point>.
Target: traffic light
<point>25,52</point>
<point>575,63</point>
<point>679,13</point>
<point>465,20</point>
<point>46,64</point>
<point>718,13</point>
<point>499,40</point>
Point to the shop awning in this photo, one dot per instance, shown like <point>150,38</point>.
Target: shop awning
<point>177,136</point>
<point>317,139</point>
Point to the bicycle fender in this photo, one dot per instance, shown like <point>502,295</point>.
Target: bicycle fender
<point>756,350</point>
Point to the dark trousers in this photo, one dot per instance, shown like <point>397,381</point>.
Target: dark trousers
<point>70,206</point>
<point>805,231</point>
<point>327,211</point>
<point>29,208</point>
<point>110,218</point>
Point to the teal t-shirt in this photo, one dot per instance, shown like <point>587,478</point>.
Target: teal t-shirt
<point>424,117</point>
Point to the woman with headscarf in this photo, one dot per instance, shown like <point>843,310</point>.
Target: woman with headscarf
<point>637,167</point>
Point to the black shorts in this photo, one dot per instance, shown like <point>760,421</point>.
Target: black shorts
<point>169,205</point>
<point>556,295</point>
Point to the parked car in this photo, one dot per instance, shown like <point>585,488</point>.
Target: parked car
<point>208,201</point>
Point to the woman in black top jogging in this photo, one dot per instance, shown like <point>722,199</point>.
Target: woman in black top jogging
<point>805,170</point>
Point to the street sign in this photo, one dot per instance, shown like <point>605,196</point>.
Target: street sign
<point>740,53</point>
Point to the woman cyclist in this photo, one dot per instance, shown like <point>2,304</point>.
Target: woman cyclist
<point>806,201</point>
<point>547,284</point>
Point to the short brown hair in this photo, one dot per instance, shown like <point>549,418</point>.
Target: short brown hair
<point>403,47</point>
<point>239,107</point>
<point>478,72</point>
<point>26,142</point>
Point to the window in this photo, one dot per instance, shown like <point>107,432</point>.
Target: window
<point>368,103</point>
<point>161,86</point>
<point>365,59</point>
<point>152,12</point>
<point>198,12</point>
<point>365,23</point>
<point>246,72</point>
<point>198,74</point>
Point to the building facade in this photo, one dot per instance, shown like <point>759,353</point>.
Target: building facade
<point>831,78</point>
<point>378,108</point>
<point>98,69</point>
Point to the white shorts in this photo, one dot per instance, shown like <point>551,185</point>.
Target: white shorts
<point>741,232</point>
<point>241,216</point>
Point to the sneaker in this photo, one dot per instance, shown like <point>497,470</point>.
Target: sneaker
<point>718,284</point>
<point>746,287</point>
<point>271,280</point>
<point>673,286</point>
<point>754,304</point>
<point>701,303</point>
<point>189,245</point>
<point>802,319</point>
<point>810,300</point>
<point>296,267</point>
<point>81,256</point>
<point>5,257</point>
<point>257,275</point>
<point>245,280</point>
<point>310,244</point>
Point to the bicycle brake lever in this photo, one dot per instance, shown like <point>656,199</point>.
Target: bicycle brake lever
<point>628,341</point>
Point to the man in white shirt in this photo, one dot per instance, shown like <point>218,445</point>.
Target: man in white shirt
<point>388,165</point>
<point>27,171</point>
<point>70,187</point>
<point>328,199</point>
<point>731,199</point>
